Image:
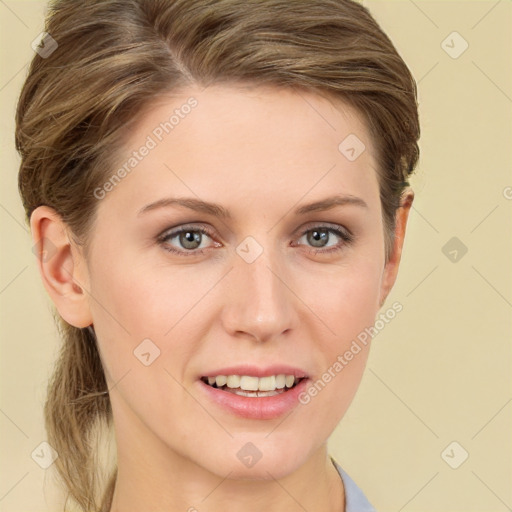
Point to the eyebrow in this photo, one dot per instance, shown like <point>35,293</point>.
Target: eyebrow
<point>219,211</point>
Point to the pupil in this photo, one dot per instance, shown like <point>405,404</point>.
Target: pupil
<point>318,237</point>
<point>190,239</point>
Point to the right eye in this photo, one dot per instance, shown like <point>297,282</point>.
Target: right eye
<point>186,240</point>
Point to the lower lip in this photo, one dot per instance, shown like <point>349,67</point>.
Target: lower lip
<point>256,408</point>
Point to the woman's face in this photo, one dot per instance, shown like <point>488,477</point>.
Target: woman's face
<point>279,268</point>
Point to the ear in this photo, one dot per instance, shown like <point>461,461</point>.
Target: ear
<point>391,267</point>
<point>62,268</point>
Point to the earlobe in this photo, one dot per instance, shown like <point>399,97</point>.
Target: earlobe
<point>59,265</point>
<point>391,268</point>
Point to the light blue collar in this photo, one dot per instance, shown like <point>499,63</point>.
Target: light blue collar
<point>355,500</point>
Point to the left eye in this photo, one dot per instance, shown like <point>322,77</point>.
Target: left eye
<point>319,237</point>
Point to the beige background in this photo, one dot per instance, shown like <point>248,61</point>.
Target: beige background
<point>440,371</point>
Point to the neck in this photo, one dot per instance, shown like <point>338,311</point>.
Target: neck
<point>152,478</point>
<point>187,477</point>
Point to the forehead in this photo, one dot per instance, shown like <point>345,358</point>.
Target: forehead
<point>224,143</point>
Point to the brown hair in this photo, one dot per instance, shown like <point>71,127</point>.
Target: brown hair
<point>116,56</point>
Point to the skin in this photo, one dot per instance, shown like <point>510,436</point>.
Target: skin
<point>260,153</point>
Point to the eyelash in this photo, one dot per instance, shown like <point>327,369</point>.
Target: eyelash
<point>346,237</point>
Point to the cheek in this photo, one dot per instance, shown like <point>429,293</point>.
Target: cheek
<point>347,300</point>
<point>132,303</point>
<point>347,304</point>
<point>147,299</point>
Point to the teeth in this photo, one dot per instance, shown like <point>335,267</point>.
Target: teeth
<point>233,381</point>
<point>280,381</point>
<point>220,380</point>
<point>290,379</point>
<point>267,383</point>
<point>253,394</point>
<point>251,383</point>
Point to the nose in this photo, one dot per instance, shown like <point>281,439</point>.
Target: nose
<point>259,303</point>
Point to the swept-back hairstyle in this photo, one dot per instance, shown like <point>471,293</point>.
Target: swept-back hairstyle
<point>114,57</point>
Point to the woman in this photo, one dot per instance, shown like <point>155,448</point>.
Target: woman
<point>218,192</point>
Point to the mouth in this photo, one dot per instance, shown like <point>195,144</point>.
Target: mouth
<point>251,386</point>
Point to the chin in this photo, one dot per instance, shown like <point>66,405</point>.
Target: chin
<point>248,462</point>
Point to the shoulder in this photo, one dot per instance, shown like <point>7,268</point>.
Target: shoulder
<point>355,500</point>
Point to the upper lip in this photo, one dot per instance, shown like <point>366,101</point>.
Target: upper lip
<point>255,371</point>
